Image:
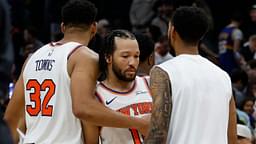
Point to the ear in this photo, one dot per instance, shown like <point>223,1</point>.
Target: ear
<point>93,29</point>
<point>151,59</point>
<point>62,27</point>
<point>173,33</point>
<point>108,58</point>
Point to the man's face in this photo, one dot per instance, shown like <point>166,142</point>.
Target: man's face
<point>253,15</point>
<point>125,59</point>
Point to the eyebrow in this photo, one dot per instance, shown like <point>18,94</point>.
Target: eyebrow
<point>125,51</point>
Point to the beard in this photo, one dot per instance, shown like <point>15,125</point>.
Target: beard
<point>123,75</point>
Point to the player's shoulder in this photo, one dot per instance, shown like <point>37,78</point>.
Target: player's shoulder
<point>85,54</point>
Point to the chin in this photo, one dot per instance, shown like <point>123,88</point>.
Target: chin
<point>130,78</point>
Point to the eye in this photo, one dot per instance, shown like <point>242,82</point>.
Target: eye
<point>125,56</point>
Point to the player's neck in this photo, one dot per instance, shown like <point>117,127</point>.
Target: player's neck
<point>186,49</point>
<point>118,85</point>
<point>80,37</point>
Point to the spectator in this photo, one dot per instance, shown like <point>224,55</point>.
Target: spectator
<point>250,27</point>
<point>247,106</point>
<point>249,49</point>
<point>162,50</point>
<point>141,14</point>
<point>244,135</point>
<point>164,12</point>
<point>103,27</point>
<point>31,40</point>
<point>239,79</point>
<point>229,44</point>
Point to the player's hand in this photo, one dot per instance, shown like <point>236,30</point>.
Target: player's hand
<point>143,129</point>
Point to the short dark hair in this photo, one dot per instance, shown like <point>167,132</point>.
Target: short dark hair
<point>109,46</point>
<point>146,46</point>
<point>239,75</point>
<point>78,13</point>
<point>191,23</point>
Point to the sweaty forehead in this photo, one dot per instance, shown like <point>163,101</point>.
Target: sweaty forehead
<point>126,44</point>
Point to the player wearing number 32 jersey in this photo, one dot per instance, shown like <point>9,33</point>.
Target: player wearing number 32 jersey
<point>48,103</point>
<point>56,87</point>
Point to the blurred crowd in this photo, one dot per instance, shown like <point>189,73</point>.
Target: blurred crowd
<point>230,43</point>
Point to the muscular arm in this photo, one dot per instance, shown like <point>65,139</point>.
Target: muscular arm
<point>162,106</point>
<point>15,111</point>
<point>232,137</point>
<point>85,70</point>
<point>91,133</point>
<point>15,108</point>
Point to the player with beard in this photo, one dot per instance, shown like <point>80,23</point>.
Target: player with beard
<point>193,102</point>
<point>121,90</point>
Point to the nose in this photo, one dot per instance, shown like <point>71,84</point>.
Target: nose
<point>134,61</point>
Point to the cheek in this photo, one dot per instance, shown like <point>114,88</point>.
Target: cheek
<point>124,62</point>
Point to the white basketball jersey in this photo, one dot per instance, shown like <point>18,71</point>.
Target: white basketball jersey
<point>136,102</point>
<point>201,93</point>
<point>48,106</point>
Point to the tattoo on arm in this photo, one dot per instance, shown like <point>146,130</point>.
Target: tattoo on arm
<point>162,106</point>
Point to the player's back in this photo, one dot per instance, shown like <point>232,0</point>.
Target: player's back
<point>48,105</point>
<point>201,94</point>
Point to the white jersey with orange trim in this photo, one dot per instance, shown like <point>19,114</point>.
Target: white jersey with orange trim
<point>201,93</point>
<point>48,105</point>
<point>136,102</point>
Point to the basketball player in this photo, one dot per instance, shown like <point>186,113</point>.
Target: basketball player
<point>192,97</point>
<point>57,83</point>
<point>122,90</point>
<point>147,55</point>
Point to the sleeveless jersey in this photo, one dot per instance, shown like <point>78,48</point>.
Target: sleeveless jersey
<point>225,39</point>
<point>136,102</point>
<point>201,93</point>
<point>48,106</point>
<point>227,58</point>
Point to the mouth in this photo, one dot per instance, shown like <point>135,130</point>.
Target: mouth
<point>131,70</point>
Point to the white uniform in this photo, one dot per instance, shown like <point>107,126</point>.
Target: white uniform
<point>201,93</point>
<point>136,102</point>
<point>48,106</point>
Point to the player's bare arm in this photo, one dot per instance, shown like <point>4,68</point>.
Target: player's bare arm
<point>84,71</point>
<point>162,106</point>
<point>91,133</point>
<point>15,109</point>
<point>15,106</point>
<point>232,137</point>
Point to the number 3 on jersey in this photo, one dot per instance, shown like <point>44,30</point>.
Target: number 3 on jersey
<point>35,97</point>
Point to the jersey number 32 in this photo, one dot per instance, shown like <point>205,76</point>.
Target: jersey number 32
<point>36,97</point>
